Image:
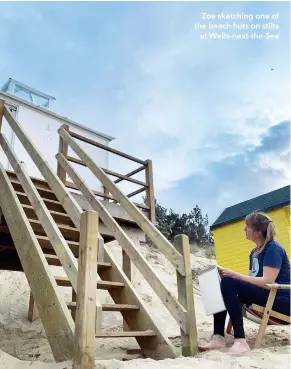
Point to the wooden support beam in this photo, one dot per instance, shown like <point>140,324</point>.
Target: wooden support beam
<point>150,191</point>
<point>1,113</point>
<point>171,303</point>
<point>132,173</point>
<point>54,314</point>
<point>136,192</point>
<point>86,297</point>
<point>144,223</point>
<point>186,298</point>
<point>32,309</point>
<point>63,149</point>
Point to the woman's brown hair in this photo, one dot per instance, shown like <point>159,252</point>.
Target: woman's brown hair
<point>262,222</point>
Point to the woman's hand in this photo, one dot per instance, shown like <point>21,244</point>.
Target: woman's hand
<point>224,272</point>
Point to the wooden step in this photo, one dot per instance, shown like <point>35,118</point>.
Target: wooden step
<point>68,232</point>
<point>109,307</point>
<point>46,244</point>
<point>62,218</point>
<point>127,334</point>
<point>50,204</point>
<point>43,191</point>
<point>54,260</point>
<point>101,285</point>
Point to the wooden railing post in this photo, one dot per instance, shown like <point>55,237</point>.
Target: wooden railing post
<point>63,149</point>
<point>86,296</point>
<point>186,297</point>
<point>150,191</point>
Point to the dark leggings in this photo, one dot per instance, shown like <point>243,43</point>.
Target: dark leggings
<point>236,293</point>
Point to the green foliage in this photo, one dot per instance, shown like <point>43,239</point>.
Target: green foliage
<point>194,225</point>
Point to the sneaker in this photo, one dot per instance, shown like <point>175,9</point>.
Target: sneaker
<point>239,348</point>
<point>217,343</point>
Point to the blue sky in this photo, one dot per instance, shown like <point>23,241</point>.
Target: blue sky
<point>211,114</point>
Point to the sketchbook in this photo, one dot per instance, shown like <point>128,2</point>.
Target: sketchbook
<point>209,284</point>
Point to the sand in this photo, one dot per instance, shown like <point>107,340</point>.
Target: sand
<point>24,345</point>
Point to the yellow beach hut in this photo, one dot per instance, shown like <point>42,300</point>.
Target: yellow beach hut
<point>231,246</point>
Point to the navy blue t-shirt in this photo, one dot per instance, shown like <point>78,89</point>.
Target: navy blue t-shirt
<point>273,256</point>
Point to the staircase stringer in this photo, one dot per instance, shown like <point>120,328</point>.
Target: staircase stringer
<point>157,347</point>
<point>55,236</point>
<point>55,316</point>
<point>173,305</point>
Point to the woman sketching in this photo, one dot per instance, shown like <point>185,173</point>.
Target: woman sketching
<point>269,263</point>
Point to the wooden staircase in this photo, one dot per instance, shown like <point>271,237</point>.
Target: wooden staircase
<point>112,278</point>
<point>42,222</point>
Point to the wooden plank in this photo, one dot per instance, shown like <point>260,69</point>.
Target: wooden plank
<point>144,223</point>
<point>172,304</point>
<point>32,309</point>
<point>59,189</point>
<point>278,286</point>
<point>107,171</point>
<point>46,244</point>
<point>127,334</point>
<point>54,260</point>
<point>101,285</point>
<point>132,173</point>
<point>57,321</point>
<point>265,318</point>
<point>136,192</point>
<point>66,231</point>
<point>61,218</point>
<point>186,297</point>
<point>45,221</point>
<point>150,191</point>
<point>1,113</point>
<point>44,192</point>
<point>106,148</point>
<point>36,181</point>
<point>108,307</point>
<point>63,149</point>
<point>274,314</point>
<point>86,296</point>
<point>157,347</point>
<point>50,204</point>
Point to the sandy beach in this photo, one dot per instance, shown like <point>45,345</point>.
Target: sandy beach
<point>24,345</point>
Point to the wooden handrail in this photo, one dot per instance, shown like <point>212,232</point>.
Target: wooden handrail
<point>143,222</point>
<point>110,172</point>
<point>101,146</point>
